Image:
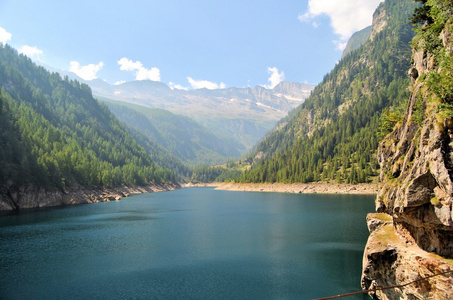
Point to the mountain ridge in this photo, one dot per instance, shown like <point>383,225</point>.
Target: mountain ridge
<point>56,137</point>
<point>333,134</point>
<point>245,113</point>
<point>356,40</point>
<point>224,111</point>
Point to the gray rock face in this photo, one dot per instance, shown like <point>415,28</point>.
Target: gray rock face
<point>380,21</point>
<point>32,197</point>
<point>416,198</point>
<point>392,258</point>
<point>419,194</point>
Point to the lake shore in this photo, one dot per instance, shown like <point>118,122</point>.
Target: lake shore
<point>301,188</point>
<point>31,197</point>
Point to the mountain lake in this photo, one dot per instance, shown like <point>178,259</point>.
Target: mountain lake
<point>193,243</point>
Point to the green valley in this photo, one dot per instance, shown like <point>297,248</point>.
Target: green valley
<point>181,136</point>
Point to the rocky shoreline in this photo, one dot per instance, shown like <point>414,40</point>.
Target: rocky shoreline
<point>393,258</point>
<point>301,188</point>
<point>31,197</point>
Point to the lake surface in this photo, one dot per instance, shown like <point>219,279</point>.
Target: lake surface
<point>196,243</point>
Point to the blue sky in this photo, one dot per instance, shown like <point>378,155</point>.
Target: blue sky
<point>186,44</point>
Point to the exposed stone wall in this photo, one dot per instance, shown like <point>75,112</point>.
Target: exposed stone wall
<point>411,237</point>
<point>32,197</point>
<point>379,21</point>
<point>393,258</point>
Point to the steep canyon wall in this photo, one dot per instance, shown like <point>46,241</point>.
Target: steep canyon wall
<point>411,235</point>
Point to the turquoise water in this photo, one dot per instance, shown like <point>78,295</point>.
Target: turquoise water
<point>195,243</point>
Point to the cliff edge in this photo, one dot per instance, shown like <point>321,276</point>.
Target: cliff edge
<point>411,235</point>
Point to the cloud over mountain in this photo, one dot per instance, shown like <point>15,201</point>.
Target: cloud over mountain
<point>5,36</point>
<point>200,84</point>
<point>275,77</point>
<point>174,86</point>
<point>88,72</point>
<point>141,73</point>
<point>30,51</point>
<point>346,16</point>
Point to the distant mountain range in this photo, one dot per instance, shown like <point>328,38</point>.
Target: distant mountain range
<point>238,101</point>
<point>227,122</point>
<point>243,113</point>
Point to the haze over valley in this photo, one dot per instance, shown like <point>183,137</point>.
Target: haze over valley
<point>241,114</point>
<point>99,102</point>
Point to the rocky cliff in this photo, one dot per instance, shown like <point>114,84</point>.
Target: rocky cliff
<point>411,235</point>
<point>30,197</point>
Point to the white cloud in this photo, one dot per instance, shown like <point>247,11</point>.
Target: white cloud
<point>275,77</point>
<point>340,45</point>
<point>5,36</point>
<point>129,65</point>
<point>346,16</point>
<point>87,72</point>
<point>200,84</point>
<point>141,73</point>
<point>32,52</point>
<point>119,82</point>
<point>305,17</point>
<point>174,86</point>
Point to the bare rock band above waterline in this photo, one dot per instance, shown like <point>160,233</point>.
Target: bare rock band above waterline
<point>298,188</point>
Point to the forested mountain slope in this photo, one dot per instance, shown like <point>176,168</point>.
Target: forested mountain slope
<point>181,136</point>
<point>333,134</point>
<point>55,135</point>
